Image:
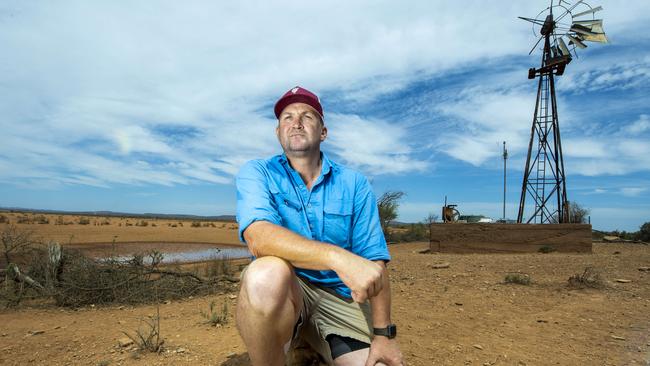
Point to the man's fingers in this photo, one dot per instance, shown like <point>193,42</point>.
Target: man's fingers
<point>359,297</point>
<point>372,360</point>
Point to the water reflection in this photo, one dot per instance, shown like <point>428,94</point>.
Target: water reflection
<point>195,256</point>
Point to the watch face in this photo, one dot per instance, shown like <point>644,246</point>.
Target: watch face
<point>392,330</point>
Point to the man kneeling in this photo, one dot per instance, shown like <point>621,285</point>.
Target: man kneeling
<point>320,268</point>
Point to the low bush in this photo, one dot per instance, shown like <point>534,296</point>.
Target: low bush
<point>148,338</point>
<point>589,278</point>
<point>75,280</point>
<point>3,219</point>
<point>216,317</point>
<point>83,221</point>
<point>546,249</point>
<point>196,224</point>
<point>517,278</point>
<point>413,232</point>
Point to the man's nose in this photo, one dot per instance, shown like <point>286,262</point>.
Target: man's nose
<point>297,123</point>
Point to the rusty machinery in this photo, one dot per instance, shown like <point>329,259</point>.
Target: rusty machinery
<point>449,212</point>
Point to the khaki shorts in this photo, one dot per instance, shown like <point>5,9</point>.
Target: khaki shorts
<point>325,312</point>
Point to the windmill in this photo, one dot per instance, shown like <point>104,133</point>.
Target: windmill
<point>563,28</point>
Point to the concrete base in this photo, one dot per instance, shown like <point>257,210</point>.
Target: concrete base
<point>509,238</point>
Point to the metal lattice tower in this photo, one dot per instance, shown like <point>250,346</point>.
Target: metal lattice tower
<point>544,180</point>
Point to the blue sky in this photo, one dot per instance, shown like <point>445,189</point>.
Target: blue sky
<point>153,106</point>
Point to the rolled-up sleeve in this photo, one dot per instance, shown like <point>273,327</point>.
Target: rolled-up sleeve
<point>254,201</point>
<point>367,237</point>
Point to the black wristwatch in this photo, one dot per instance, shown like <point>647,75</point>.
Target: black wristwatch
<point>390,331</point>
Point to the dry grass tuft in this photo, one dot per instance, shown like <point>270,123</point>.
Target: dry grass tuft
<point>589,278</point>
<point>518,278</point>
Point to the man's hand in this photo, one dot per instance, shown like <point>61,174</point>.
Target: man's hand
<point>363,277</point>
<point>384,351</point>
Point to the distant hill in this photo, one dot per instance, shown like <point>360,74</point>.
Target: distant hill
<point>230,218</point>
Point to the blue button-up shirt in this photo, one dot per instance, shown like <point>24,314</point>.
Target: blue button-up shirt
<point>339,209</point>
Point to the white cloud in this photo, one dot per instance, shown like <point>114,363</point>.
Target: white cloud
<point>482,118</point>
<point>639,126</point>
<point>90,86</point>
<point>375,146</point>
<point>633,191</point>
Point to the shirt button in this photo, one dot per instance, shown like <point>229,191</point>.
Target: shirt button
<point>309,205</point>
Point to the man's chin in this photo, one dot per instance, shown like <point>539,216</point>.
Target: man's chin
<point>300,150</point>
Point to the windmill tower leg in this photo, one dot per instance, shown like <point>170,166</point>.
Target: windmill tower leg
<point>544,178</point>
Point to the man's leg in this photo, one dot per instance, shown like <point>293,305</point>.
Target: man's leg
<point>355,358</point>
<point>269,304</point>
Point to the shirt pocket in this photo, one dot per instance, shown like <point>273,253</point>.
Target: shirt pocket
<point>290,211</point>
<point>337,222</point>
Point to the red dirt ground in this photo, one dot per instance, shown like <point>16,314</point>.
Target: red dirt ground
<point>461,315</point>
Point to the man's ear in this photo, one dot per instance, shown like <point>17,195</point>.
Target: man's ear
<point>277,130</point>
<point>323,133</point>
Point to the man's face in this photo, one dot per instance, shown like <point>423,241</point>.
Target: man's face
<point>300,129</point>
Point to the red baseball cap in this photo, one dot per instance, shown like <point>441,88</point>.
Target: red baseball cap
<point>298,95</point>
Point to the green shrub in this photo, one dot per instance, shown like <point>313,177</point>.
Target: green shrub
<point>518,278</point>
<point>214,317</point>
<point>546,249</point>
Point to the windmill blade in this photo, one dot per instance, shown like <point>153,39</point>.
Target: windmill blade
<point>568,11</point>
<point>600,38</point>
<point>588,23</point>
<point>598,8</point>
<point>536,43</point>
<point>563,47</point>
<point>582,30</point>
<point>576,41</point>
<point>597,36</point>
<point>593,33</point>
<point>535,21</point>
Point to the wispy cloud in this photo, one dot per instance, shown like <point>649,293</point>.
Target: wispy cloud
<point>639,126</point>
<point>633,191</point>
<point>375,146</point>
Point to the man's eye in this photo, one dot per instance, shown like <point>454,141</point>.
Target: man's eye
<point>309,116</point>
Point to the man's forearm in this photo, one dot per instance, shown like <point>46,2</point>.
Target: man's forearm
<point>265,238</point>
<point>380,304</point>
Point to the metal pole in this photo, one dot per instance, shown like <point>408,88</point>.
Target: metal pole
<point>505,158</point>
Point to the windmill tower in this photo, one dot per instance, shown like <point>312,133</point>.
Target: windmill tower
<point>544,179</point>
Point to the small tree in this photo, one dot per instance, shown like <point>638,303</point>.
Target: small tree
<point>387,205</point>
<point>644,232</point>
<point>431,218</point>
<point>15,240</point>
<point>577,213</point>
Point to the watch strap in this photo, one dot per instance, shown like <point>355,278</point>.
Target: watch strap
<point>390,331</point>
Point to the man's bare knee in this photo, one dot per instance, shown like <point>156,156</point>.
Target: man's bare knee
<point>267,284</point>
